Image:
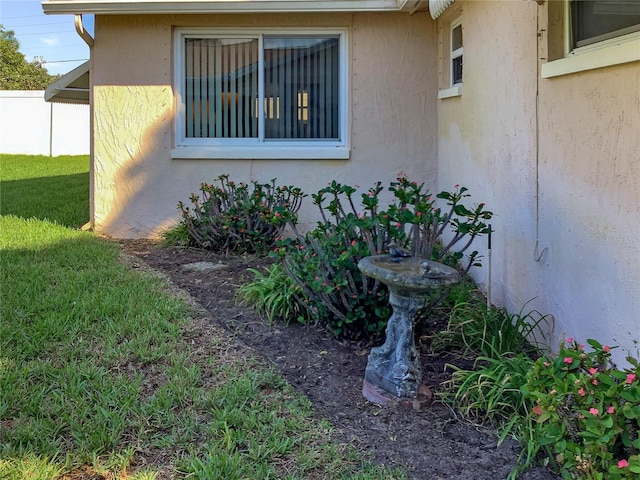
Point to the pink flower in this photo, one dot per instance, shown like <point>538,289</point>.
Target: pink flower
<point>537,410</point>
<point>546,364</point>
<point>593,371</point>
<point>606,349</point>
<point>456,185</point>
<point>568,360</point>
<point>594,381</point>
<point>623,463</point>
<point>570,340</point>
<point>630,378</point>
<point>611,409</point>
<point>581,392</point>
<point>593,411</point>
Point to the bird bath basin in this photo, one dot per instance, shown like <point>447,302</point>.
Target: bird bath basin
<point>393,374</point>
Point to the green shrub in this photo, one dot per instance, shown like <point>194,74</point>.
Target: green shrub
<point>574,410</point>
<point>176,236</point>
<point>490,394</point>
<point>273,295</point>
<point>475,330</point>
<point>586,412</point>
<point>323,262</point>
<point>232,217</point>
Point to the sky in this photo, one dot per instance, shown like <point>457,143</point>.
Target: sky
<point>52,37</point>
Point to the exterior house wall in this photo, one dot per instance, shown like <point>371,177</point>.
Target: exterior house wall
<point>31,126</point>
<point>562,174</point>
<point>392,64</point>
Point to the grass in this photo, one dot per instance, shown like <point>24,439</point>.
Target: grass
<point>55,189</point>
<point>98,375</point>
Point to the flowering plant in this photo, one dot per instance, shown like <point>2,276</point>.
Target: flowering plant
<point>323,262</point>
<point>586,412</point>
<point>234,217</point>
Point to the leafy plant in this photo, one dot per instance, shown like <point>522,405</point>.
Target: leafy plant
<point>233,217</point>
<point>490,394</point>
<point>419,224</point>
<point>586,412</point>
<point>176,236</point>
<point>273,295</point>
<point>473,329</point>
<point>323,262</point>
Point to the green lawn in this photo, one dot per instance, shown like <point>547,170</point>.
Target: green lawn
<point>55,189</point>
<point>97,373</point>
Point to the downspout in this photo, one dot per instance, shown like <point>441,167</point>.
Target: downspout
<point>50,129</point>
<point>88,39</point>
<point>542,54</point>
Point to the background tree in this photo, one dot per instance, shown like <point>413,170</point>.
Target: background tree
<point>16,73</point>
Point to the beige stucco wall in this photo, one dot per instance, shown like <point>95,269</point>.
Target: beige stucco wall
<point>566,201</point>
<point>137,184</point>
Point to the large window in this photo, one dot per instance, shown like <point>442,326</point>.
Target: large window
<point>593,21</point>
<point>278,90</point>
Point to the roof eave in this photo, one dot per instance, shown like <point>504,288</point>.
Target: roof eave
<point>64,91</point>
<point>224,6</point>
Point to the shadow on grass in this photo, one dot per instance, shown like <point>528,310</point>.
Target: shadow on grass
<point>62,199</point>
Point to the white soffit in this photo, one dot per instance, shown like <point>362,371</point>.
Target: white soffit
<point>217,6</point>
<point>72,87</point>
<point>436,7</point>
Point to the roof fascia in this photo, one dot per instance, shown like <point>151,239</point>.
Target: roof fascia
<point>219,6</point>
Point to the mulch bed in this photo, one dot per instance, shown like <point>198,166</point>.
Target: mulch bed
<point>430,444</point>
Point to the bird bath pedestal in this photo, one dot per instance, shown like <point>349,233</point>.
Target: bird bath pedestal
<point>394,375</point>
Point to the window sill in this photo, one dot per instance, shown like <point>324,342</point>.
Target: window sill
<point>261,152</point>
<point>621,50</point>
<point>454,91</point>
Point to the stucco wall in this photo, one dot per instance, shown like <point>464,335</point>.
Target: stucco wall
<point>566,201</point>
<point>137,184</point>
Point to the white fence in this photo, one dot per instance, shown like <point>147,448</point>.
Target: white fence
<point>31,126</point>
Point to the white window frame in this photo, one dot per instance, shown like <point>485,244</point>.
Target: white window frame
<point>609,52</point>
<point>454,54</point>
<point>254,148</point>
<point>452,89</point>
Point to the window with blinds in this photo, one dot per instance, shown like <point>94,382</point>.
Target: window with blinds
<point>262,88</point>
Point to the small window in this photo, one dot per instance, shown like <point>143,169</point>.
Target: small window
<point>258,88</point>
<point>594,21</point>
<point>456,53</point>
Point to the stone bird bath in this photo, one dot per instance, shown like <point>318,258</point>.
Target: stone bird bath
<point>393,375</point>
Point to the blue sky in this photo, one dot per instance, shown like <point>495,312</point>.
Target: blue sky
<point>52,37</point>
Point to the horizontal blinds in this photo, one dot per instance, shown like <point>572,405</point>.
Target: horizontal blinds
<point>436,7</point>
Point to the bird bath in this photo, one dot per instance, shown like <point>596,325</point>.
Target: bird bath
<point>393,374</point>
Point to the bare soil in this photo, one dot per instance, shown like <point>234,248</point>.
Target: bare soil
<point>429,444</point>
